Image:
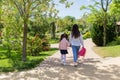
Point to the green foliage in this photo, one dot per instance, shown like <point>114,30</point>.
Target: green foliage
<point>97,34</point>
<point>53,29</point>
<point>110,33</point>
<point>45,44</point>
<point>11,31</point>
<point>34,45</point>
<point>53,41</point>
<point>65,23</point>
<point>14,63</point>
<point>7,46</point>
<point>67,3</point>
<point>115,42</point>
<point>39,26</point>
<point>1,26</point>
<point>118,40</point>
<point>37,44</point>
<point>114,9</point>
<point>86,35</point>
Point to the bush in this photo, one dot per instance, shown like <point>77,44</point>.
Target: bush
<point>111,33</point>
<point>45,44</point>
<point>87,35</point>
<point>115,42</point>
<point>34,46</point>
<point>118,40</point>
<point>97,34</point>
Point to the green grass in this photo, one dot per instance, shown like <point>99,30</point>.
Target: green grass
<point>109,51</point>
<point>14,63</point>
<point>5,63</point>
<point>52,41</point>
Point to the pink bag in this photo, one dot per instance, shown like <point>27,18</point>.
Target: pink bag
<point>82,52</point>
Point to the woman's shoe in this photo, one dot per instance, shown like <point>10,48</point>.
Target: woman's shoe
<point>75,64</point>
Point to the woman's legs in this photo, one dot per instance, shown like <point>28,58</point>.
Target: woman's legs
<point>75,50</point>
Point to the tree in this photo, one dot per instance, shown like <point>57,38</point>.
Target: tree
<point>53,16</point>
<point>52,20</point>
<point>115,12</point>
<point>104,5</point>
<point>102,8</point>
<point>25,8</point>
<point>115,9</point>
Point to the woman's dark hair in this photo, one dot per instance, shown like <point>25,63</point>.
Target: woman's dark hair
<point>75,31</point>
<point>64,36</point>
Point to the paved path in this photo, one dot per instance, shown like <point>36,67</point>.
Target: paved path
<point>94,68</point>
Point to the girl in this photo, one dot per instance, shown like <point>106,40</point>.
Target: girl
<point>63,44</point>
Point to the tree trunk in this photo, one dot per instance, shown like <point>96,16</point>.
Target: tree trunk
<point>104,29</point>
<point>104,34</point>
<point>53,30</point>
<point>24,41</point>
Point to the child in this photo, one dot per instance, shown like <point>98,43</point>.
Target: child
<point>63,44</point>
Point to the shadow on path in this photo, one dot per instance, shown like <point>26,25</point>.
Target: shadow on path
<point>51,69</point>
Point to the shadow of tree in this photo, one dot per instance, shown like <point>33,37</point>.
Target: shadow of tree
<point>51,69</point>
<point>87,71</point>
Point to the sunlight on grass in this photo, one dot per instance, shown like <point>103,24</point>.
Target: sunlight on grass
<point>14,63</point>
<point>109,51</point>
<point>5,63</point>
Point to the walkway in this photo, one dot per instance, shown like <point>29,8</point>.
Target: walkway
<point>94,68</point>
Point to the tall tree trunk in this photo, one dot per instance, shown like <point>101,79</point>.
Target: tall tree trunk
<point>24,41</point>
<point>104,33</point>
<point>53,28</point>
<point>104,5</point>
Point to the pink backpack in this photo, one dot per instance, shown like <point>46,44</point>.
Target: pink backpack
<point>82,52</point>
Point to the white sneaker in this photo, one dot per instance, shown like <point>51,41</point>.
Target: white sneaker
<point>75,64</point>
<point>64,64</point>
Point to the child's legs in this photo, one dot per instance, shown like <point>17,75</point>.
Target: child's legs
<point>64,58</point>
<point>61,58</point>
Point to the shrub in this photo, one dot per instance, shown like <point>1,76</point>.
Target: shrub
<point>45,44</point>
<point>115,42</point>
<point>118,40</point>
<point>97,34</point>
<point>110,33</point>
<point>34,46</point>
<point>87,35</point>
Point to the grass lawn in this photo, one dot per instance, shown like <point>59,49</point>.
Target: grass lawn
<point>14,63</point>
<point>109,51</point>
<point>52,41</point>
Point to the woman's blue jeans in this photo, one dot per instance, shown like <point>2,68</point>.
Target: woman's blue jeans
<point>75,50</point>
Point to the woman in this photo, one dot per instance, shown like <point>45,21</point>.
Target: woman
<point>76,42</point>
